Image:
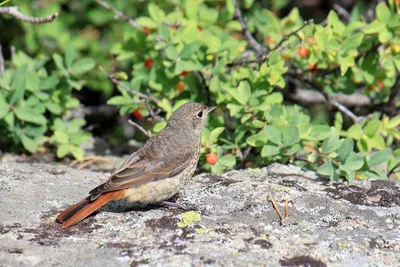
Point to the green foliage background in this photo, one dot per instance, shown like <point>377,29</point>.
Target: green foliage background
<point>200,46</point>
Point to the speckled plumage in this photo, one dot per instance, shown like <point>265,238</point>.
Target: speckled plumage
<point>154,173</point>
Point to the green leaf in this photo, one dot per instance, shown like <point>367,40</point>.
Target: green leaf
<point>353,163</point>
<point>120,100</point>
<point>345,149</point>
<point>332,143</point>
<point>54,108</point>
<point>372,128</point>
<point>244,92</point>
<point>49,83</point>
<point>171,52</point>
<point>352,43</point>
<point>326,169</point>
<point>147,22</point>
<point>290,136</point>
<point>80,138</point>
<point>82,66</point>
<point>189,49</point>
<point>394,122</point>
<point>60,65</point>
<point>227,161</point>
<point>273,134</point>
<point>29,143</point>
<point>76,151</point>
<point>355,131</point>
<point>274,98</point>
<point>159,126</point>
<point>338,121</point>
<point>62,150</point>
<point>269,151</point>
<point>215,133</point>
<point>70,55</point>
<point>379,157</point>
<point>383,12</point>
<point>257,140</point>
<point>319,132</point>
<point>374,27</point>
<point>3,107</point>
<point>156,13</point>
<point>234,109</point>
<point>18,86</point>
<point>29,115</point>
<point>60,137</point>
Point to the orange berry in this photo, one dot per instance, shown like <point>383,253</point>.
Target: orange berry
<point>302,52</point>
<point>146,30</point>
<point>23,155</point>
<point>200,28</point>
<point>173,27</point>
<point>379,83</point>
<point>211,158</point>
<point>270,41</point>
<point>136,113</point>
<point>180,86</point>
<point>148,63</point>
<point>312,66</point>
<point>185,73</point>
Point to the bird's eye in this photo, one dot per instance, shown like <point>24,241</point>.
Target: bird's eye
<point>200,114</point>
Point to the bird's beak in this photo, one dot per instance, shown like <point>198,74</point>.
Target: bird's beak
<point>211,108</point>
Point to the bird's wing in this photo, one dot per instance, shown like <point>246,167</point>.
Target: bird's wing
<point>143,171</point>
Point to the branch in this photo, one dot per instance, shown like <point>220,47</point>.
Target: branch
<point>256,46</point>
<point>119,14</point>
<point>2,67</point>
<point>146,132</point>
<point>343,12</point>
<point>13,11</point>
<point>315,85</point>
<point>245,60</point>
<point>123,85</point>
<point>312,97</point>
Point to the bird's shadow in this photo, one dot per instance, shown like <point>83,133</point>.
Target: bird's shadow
<point>123,205</point>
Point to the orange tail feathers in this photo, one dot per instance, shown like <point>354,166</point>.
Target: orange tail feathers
<point>79,211</point>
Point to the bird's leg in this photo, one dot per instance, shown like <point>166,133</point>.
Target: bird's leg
<point>175,205</point>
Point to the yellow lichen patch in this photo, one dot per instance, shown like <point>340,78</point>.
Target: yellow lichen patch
<point>189,218</point>
<point>202,230</point>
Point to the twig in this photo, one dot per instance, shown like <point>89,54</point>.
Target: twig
<point>119,14</point>
<point>118,83</point>
<point>13,11</point>
<point>256,46</point>
<point>151,111</point>
<point>343,12</point>
<point>276,207</point>
<point>140,128</point>
<point>342,108</point>
<point>293,33</point>
<point>2,66</point>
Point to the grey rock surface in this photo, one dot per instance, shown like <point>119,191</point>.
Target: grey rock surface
<point>328,224</point>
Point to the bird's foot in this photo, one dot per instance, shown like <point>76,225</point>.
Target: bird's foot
<point>89,160</point>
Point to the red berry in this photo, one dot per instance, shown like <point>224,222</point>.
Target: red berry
<point>379,83</point>
<point>200,28</point>
<point>302,52</point>
<point>180,86</point>
<point>146,30</point>
<point>311,66</point>
<point>211,158</point>
<point>185,73</point>
<point>148,63</point>
<point>173,27</point>
<point>136,113</point>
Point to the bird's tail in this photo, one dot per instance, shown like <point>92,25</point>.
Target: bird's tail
<point>79,211</point>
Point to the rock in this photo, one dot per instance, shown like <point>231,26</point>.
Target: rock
<point>232,221</point>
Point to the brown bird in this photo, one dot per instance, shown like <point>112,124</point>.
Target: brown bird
<point>155,172</point>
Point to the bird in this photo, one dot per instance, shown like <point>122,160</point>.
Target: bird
<point>156,171</point>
